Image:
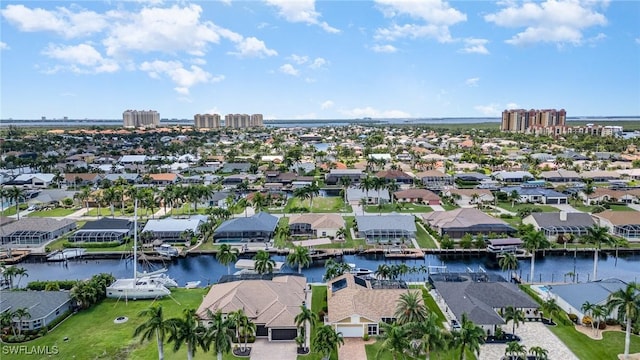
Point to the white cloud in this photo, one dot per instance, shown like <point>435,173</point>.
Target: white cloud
<point>301,11</point>
<point>489,110</point>
<point>4,46</point>
<point>318,63</point>
<point>384,48</point>
<point>252,47</point>
<point>434,19</point>
<point>289,70</point>
<point>183,78</point>
<point>512,106</point>
<point>82,58</point>
<point>299,59</point>
<point>374,113</point>
<point>61,21</point>
<point>472,82</point>
<point>475,46</point>
<point>552,21</point>
<point>327,105</point>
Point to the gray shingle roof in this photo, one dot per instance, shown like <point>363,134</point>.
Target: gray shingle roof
<point>594,292</point>
<point>35,224</point>
<point>39,303</point>
<point>258,222</point>
<point>553,219</point>
<point>401,222</point>
<point>107,224</point>
<point>175,225</point>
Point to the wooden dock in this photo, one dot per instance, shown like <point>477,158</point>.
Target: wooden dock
<point>398,255</point>
<point>11,257</point>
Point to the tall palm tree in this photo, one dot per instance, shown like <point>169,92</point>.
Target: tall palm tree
<point>534,240</point>
<point>508,261</point>
<point>21,313</point>
<point>597,235</point>
<point>410,308</point>
<point>428,336</point>
<point>227,255</point>
<point>626,302</point>
<point>394,338</point>
<point>3,196</point>
<point>189,331</point>
<point>345,182</point>
<point>366,184</point>
<point>539,353</point>
<point>470,336</point>
<point>379,184</point>
<point>516,316</point>
<point>327,340</point>
<point>550,308</point>
<point>20,272</point>
<point>515,349</point>
<point>219,334</point>
<point>312,190</point>
<point>305,316</point>
<point>300,256</point>
<point>392,186</point>
<point>263,263</point>
<point>383,271</point>
<point>302,194</point>
<point>155,325</point>
<point>110,195</point>
<point>16,194</point>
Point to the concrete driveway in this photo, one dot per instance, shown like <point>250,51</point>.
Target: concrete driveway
<point>352,349</point>
<point>281,350</point>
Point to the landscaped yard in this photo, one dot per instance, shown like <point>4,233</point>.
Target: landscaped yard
<point>398,207</point>
<point>92,334</point>
<point>544,208</point>
<point>423,238</point>
<point>318,301</point>
<point>106,212</point>
<point>329,204</point>
<point>349,242</point>
<point>57,212</point>
<point>590,208</point>
<point>12,210</point>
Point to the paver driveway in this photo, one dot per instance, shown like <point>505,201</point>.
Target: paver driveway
<point>352,349</point>
<point>264,350</point>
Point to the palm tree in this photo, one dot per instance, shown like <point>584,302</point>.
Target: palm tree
<point>534,240</point>
<point>300,256</point>
<point>428,336</point>
<point>394,338</point>
<point>550,308</point>
<point>410,308</point>
<point>227,255</point>
<point>392,186</point>
<point>345,182</point>
<point>539,353</point>
<point>155,325</point>
<point>263,264</point>
<point>470,336</point>
<point>21,313</point>
<point>15,193</point>
<point>305,316</point>
<point>515,349</point>
<point>383,271</point>
<point>21,272</point>
<point>189,331</point>
<point>327,340</point>
<point>312,190</point>
<point>334,269</point>
<point>514,315</point>
<point>597,235</point>
<point>626,302</point>
<point>514,196</point>
<point>508,261</point>
<point>219,334</point>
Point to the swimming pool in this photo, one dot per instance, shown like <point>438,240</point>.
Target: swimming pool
<point>544,288</point>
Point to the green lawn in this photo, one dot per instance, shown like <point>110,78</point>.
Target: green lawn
<point>399,208</point>
<point>349,242</point>
<point>329,204</point>
<point>57,212</point>
<point>583,346</point>
<point>423,238</point>
<point>448,207</point>
<point>12,210</point>
<point>93,335</point>
<point>318,301</point>
<point>590,208</point>
<point>544,208</point>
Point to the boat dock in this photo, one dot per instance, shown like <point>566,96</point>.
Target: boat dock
<point>398,254</point>
<point>66,254</point>
<point>11,257</point>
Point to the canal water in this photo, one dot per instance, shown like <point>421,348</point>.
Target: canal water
<point>206,269</point>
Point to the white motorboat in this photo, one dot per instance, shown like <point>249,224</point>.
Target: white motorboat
<point>66,254</point>
<point>192,284</point>
<point>135,288</point>
<point>159,276</point>
<point>358,271</point>
<point>167,250</point>
<point>248,266</point>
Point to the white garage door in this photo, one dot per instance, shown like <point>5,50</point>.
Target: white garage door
<point>350,331</point>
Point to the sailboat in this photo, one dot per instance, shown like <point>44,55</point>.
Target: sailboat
<point>143,287</point>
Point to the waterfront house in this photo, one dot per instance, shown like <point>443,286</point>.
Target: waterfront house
<point>230,167</point>
<point>334,176</point>
<point>34,231</point>
<point>32,181</point>
<point>422,196</point>
<point>316,225</point>
<point>456,223</point>
<point>355,196</point>
<point>164,179</point>
<point>82,179</point>
<point>512,176</point>
<point>536,195</point>
<point>554,224</point>
<point>398,175</point>
<point>172,229</point>
<point>560,176</point>
<point>434,179</point>
<point>130,178</point>
<point>600,175</point>
<point>44,306</point>
<point>104,230</point>
<point>391,228</point>
<point>465,197</point>
<point>571,297</point>
<point>470,177</point>
<point>357,306</point>
<point>625,224</point>
<point>270,304</point>
<point>257,228</point>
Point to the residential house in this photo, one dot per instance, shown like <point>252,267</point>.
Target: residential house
<point>604,195</point>
<point>257,228</point>
<point>562,223</point>
<point>164,179</point>
<point>44,306</point>
<point>355,196</point>
<point>270,304</point>
<point>398,175</point>
<point>391,228</point>
<point>32,181</point>
<point>422,196</point>
<point>470,177</point>
<point>316,225</point>
<point>434,179</point>
<point>356,306</point>
<point>512,176</point>
<point>456,223</point>
<point>82,179</point>
<point>571,297</point>
<point>229,168</point>
<point>334,176</point>
<point>173,229</point>
<point>561,176</point>
<point>625,224</point>
<point>34,231</point>
<point>464,197</point>
<point>130,178</point>
<point>600,176</point>
<point>536,195</point>
<point>104,230</point>
<point>50,197</point>
<point>237,179</point>
<point>133,159</point>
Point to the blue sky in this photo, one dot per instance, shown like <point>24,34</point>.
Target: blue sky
<point>318,59</point>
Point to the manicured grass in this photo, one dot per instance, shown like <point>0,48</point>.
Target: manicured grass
<point>318,301</point>
<point>92,333</point>
<point>329,204</point>
<point>430,303</point>
<point>399,208</point>
<point>57,212</point>
<point>581,345</point>
<point>11,210</point>
<point>590,208</point>
<point>349,242</point>
<point>449,206</point>
<point>544,208</point>
<point>423,238</point>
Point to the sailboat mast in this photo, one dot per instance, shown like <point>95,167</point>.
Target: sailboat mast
<point>135,241</point>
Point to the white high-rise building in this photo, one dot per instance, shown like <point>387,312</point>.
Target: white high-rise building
<point>143,118</point>
<point>206,121</point>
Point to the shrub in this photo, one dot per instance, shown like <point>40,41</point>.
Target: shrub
<point>506,216</point>
<point>85,245</point>
<point>42,285</point>
<point>602,325</point>
<point>586,320</point>
<point>611,321</point>
<point>573,317</point>
<point>365,337</point>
